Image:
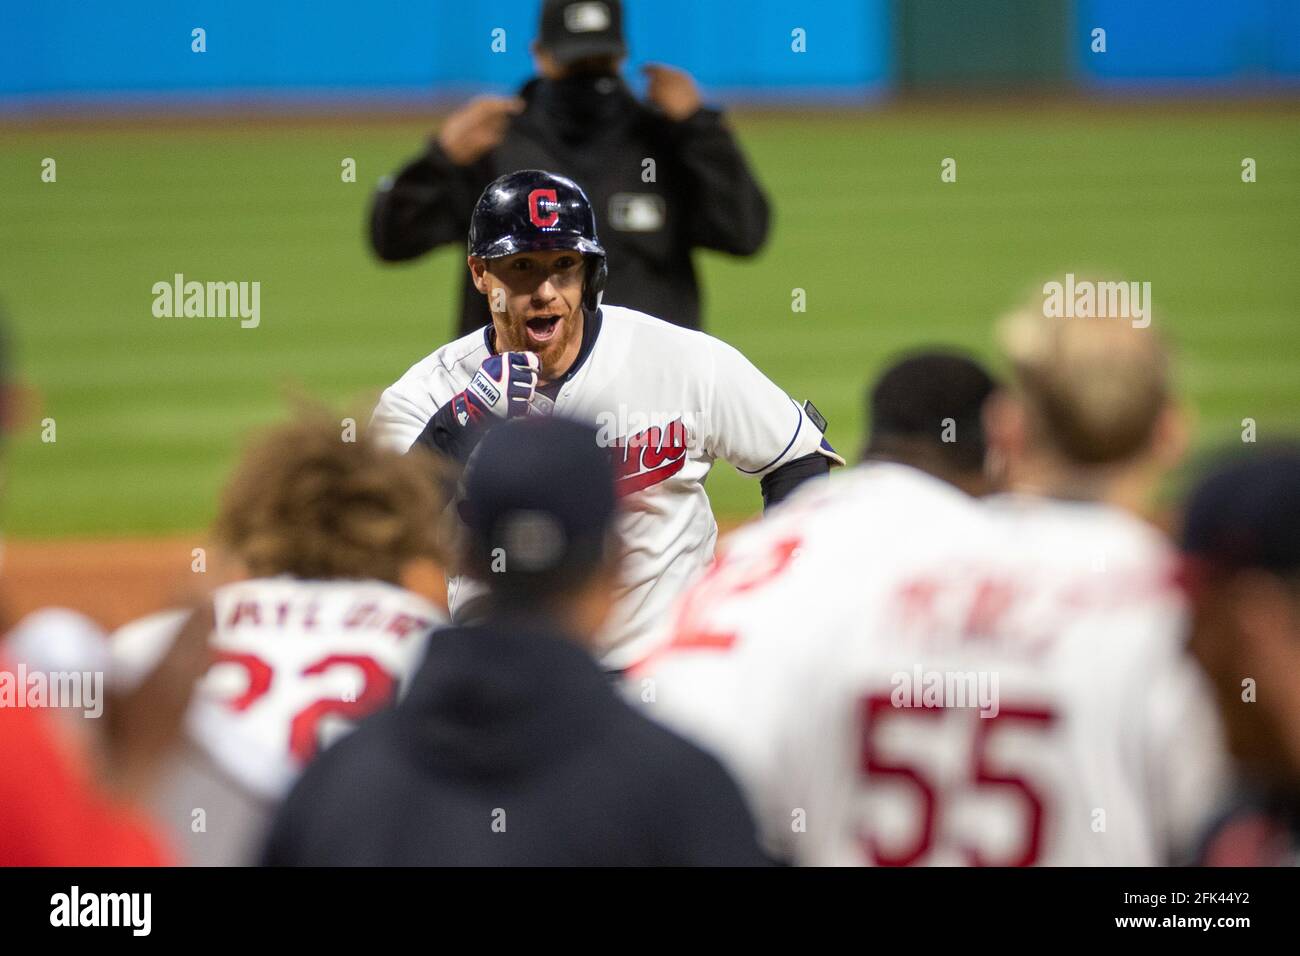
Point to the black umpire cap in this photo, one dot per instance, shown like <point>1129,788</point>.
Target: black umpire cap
<point>1246,514</point>
<point>539,505</point>
<point>578,29</point>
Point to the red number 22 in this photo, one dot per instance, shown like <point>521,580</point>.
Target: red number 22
<point>304,729</point>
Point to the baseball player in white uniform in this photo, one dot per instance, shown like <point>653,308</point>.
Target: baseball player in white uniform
<point>667,401</point>
<point>972,685</point>
<point>326,628</point>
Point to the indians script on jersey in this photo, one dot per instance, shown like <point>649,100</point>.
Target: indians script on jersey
<point>715,405</point>
<point>900,674</point>
<point>648,457</point>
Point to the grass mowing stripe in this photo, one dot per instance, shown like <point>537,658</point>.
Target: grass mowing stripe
<point>151,412</point>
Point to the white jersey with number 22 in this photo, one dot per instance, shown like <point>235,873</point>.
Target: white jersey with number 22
<point>294,664</point>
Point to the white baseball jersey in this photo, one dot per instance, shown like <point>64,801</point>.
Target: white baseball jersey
<point>899,674</point>
<point>669,402</point>
<point>295,664</point>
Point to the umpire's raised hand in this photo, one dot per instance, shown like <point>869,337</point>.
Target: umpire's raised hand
<point>477,127</point>
<point>672,90</point>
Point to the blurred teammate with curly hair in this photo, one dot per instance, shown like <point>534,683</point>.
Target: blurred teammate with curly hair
<point>335,561</point>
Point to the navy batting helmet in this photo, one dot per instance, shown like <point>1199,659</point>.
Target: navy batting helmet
<point>532,210</point>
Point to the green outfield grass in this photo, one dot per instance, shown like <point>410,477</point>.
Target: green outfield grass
<point>150,412</point>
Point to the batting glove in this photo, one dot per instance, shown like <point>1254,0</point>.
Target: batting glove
<point>503,386</point>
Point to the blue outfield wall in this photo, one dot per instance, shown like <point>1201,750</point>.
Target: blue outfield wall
<point>1188,45</point>
<point>139,51</point>
<point>68,51</point>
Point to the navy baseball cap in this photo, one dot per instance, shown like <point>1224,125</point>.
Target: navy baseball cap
<point>577,29</point>
<point>538,502</point>
<point>1246,514</point>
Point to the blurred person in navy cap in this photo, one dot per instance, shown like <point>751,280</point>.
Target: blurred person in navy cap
<point>511,746</point>
<point>1241,539</point>
<point>578,118</point>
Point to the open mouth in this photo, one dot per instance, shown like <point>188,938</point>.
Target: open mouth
<point>542,328</point>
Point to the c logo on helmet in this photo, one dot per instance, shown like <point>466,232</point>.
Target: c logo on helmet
<point>535,214</point>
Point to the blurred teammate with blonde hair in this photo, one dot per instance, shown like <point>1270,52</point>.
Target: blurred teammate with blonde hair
<point>1089,413</point>
<point>1085,432</point>
<point>337,563</point>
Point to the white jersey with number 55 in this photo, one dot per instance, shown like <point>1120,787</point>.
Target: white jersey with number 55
<point>899,674</point>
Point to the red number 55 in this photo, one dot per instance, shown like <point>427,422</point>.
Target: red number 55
<point>879,709</point>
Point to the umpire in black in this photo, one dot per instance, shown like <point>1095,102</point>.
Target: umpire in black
<point>510,746</point>
<point>665,176</point>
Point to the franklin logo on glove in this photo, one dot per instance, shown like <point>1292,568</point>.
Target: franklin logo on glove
<point>512,374</point>
<point>484,388</point>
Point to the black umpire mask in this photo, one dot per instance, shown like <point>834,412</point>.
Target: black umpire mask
<point>583,105</point>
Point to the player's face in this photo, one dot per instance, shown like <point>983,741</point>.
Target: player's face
<point>536,304</point>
